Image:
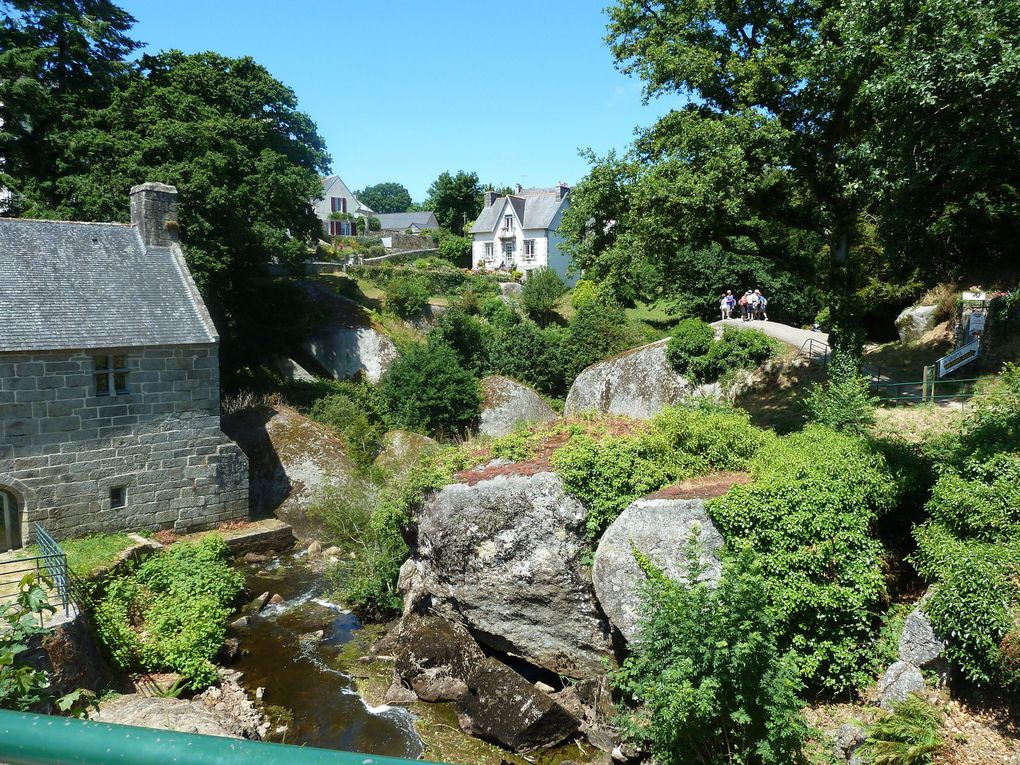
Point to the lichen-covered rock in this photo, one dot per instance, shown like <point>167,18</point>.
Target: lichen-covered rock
<point>292,460</point>
<point>503,557</point>
<point>898,682</point>
<point>349,344</point>
<point>402,449</point>
<point>441,662</point>
<point>290,370</point>
<point>919,644</point>
<point>507,403</point>
<point>638,383</point>
<point>914,322</point>
<point>184,716</point>
<point>849,738</point>
<point>509,291</point>
<point>661,529</point>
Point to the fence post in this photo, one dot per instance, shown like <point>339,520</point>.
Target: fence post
<point>924,385</point>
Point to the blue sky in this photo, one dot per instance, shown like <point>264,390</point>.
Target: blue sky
<point>402,89</point>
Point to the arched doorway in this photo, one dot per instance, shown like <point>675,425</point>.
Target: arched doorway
<point>10,522</point>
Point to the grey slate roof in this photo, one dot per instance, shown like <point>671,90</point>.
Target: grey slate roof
<point>401,221</point>
<point>536,210</point>
<point>93,285</point>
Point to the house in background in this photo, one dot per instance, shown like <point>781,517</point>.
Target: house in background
<point>415,222</point>
<point>109,381</point>
<point>520,231</point>
<point>337,198</point>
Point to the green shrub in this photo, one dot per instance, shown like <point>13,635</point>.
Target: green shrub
<point>584,292</point>
<point>520,349</point>
<point>809,516</point>
<point>456,250</point>
<point>171,614</point>
<point>467,336</point>
<point>695,353</point>
<point>710,681</point>
<point>845,402</point>
<point>596,332</point>
<point>22,684</point>
<point>374,224</point>
<point>407,297</point>
<point>358,425</point>
<point>426,390</point>
<point>911,734</point>
<point>542,290</point>
<point>609,474</point>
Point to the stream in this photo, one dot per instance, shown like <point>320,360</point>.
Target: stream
<point>304,675</point>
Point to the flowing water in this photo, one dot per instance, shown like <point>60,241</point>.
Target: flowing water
<point>304,674</point>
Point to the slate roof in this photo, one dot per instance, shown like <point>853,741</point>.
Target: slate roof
<point>536,209</point>
<point>401,221</point>
<point>93,285</point>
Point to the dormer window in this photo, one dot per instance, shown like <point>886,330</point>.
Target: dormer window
<point>508,223</point>
<point>111,375</point>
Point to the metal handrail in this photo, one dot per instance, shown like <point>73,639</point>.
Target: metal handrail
<point>30,739</point>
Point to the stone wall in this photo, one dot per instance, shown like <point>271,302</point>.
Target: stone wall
<point>63,449</point>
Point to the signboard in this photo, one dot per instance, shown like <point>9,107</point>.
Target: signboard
<point>958,358</point>
<point>977,323</point>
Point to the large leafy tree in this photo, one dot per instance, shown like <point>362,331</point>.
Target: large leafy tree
<point>385,197</point>
<point>455,199</point>
<point>59,59</point>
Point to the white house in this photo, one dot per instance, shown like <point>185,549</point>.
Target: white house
<point>520,231</point>
<point>337,198</point>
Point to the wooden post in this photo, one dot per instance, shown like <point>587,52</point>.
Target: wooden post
<point>924,385</point>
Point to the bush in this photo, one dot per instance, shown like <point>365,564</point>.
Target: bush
<point>808,516</point>
<point>595,333</point>
<point>694,352</point>
<point>22,685</point>
<point>467,336</point>
<point>520,349</point>
<point>541,291</point>
<point>427,390</point>
<point>374,224</point>
<point>359,425</point>
<point>712,683</point>
<point>845,402</point>
<point>584,292</point>
<point>908,735</point>
<point>407,297</point>
<point>609,474</point>
<point>456,250</point>
<point>171,615</point>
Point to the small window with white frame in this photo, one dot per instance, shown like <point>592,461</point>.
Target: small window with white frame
<point>111,375</point>
<point>508,223</point>
<point>489,252</point>
<point>529,249</point>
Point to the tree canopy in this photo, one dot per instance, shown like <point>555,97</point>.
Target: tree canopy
<point>385,197</point>
<point>455,199</point>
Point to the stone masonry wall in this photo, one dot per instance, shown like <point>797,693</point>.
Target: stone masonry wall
<point>62,448</point>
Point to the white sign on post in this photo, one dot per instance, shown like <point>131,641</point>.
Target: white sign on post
<point>959,357</point>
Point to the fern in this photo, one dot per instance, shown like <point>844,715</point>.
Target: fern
<point>909,735</point>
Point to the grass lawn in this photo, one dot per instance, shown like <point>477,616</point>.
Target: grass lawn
<point>651,313</point>
<point>86,555</point>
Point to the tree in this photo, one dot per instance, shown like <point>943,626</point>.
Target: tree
<point>426,390</point>
<point>541,291</point>
<point>455,199</point>
<point>388,197</point>
<point>457,250</point>
<point>59,59</point>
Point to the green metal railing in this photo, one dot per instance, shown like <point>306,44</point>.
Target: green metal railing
<point>50,565</point>
<point>925,390</point>
<point>30,739</point>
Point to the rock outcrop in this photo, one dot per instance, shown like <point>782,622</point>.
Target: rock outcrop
<point>184,716</point>
<point>914,322</point>
<point>441,662</point>
<point>638,383</point>
<point>290,370</point>
<point>662,530</point>
<point>402,449</point>
<point>920,645</point>
<point>507,403</point>
<point>292,460</point>
<point>898,682</point>
<point>503,557</point>
<point>349,344</point>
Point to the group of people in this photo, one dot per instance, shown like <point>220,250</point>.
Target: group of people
<point>751,305</point>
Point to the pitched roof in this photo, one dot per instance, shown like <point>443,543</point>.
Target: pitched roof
<point>535,208</point>
<point>400,221</point>
<point>94,285</point>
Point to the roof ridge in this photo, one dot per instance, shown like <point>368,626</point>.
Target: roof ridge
<point>75,222</point>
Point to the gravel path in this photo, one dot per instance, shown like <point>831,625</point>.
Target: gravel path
<point>783,332</point>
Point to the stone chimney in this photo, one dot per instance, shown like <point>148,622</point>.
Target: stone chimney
<point>154,212</point>
<point>520,188</point>
<point>490,198</point>
<point>561,190</point>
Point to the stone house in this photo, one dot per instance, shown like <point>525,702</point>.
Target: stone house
<point>338,198</point>
<point>109,381</point>
<point>521,231</point>
<point>402,222</point>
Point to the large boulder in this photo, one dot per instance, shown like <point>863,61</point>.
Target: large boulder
<point>507,403</point>
<point>899,681</point>
<point>662,530</point>
<point>349,344</point>
<point>402,449</point>
<point>915,322</point>
<point>292,462</point>
<point>638,383</point>
<point>441,662</point>
<point>184,716</point>
<point>920,645</point>
<point>503,557</point>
